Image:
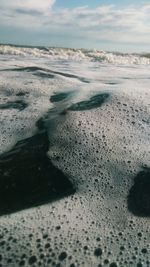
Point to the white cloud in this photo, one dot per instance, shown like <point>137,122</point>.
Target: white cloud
<point>27,4</point>
<point>105,23</point>
<point>109,23</point>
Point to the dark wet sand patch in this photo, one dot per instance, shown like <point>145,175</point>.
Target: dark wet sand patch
<point>94,102</point>
<point>44,75</point>
<point>22,93</point>
<point>28,178</point>
<point>28,69</point>
<point>60,96</point>
<point>18,104</point>
<point>111,83</point>
<point>139,194</point>
<point>41,123</point>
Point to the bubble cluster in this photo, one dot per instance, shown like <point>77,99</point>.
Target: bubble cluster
<point>101,150</point>
<point>22,91</point>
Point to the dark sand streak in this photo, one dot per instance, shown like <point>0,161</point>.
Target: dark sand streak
<point>139,195</point>
<point>94,102</point>
<point>28,178</point>
<point>18,104</point>
<point>39,72</point>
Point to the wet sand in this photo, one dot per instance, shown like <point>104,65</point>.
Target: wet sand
<point>28,178</point>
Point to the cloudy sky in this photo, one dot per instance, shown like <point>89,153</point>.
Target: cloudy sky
<point>102,24</point>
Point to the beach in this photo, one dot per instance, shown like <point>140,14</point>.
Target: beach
<point>74,158</point>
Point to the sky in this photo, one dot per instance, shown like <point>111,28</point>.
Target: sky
<point>94,24</point>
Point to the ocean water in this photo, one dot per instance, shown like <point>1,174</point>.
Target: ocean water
<point>94,107</point>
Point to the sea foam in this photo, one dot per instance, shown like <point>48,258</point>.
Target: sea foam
<point>97,119</point>
<point>76,54</point>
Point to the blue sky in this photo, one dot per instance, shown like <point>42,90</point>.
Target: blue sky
<point>96,3</point>
<point>108,25</point>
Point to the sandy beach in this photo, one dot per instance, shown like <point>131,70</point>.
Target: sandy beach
<point>74,158</point>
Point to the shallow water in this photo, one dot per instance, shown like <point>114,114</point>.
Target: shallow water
<point>95,112</point>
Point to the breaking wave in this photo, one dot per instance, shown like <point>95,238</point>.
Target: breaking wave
<point>76,54</point>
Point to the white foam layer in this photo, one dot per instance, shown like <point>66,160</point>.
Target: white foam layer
<point>101,150</point>
<point>32,90</point>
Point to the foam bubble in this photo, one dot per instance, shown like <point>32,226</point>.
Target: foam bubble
<point>101,150</point>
